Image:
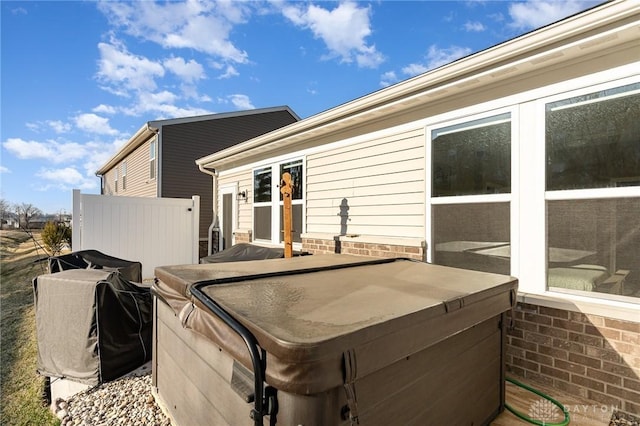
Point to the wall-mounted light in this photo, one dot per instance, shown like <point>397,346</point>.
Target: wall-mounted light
<point>242,195</point>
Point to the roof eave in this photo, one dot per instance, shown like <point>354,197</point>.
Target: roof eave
<point>142,135</point>
<point>538,43</point>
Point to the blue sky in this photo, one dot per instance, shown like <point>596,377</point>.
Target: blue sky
<point>80,77</point>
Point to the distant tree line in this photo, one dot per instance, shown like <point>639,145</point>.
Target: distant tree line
<point>56,229</point>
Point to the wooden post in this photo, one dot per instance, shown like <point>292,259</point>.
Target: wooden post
<point>286,189</point>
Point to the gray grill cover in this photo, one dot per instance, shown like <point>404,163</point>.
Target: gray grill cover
<point>92,325</point>
<point>93,259</point>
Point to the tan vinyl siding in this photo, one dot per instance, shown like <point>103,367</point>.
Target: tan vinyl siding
<point>244,181</point>
<point>382,182</point>
<point>138,182</point>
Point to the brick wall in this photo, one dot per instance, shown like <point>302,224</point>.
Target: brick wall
<point>242,237</point>
<point>592,356</point>
<point>319,246</point>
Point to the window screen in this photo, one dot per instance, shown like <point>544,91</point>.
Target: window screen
<point>472,158</point>
<point>593,141</point>
<point>472,236</point>
<point>593,246</point>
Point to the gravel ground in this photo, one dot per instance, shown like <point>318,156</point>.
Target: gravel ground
<point>128,401</point>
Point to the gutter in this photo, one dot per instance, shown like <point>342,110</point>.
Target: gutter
<point>213,227</point>
<point>143,134</point>
<point>526,52</point>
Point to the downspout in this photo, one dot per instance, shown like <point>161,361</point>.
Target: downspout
<point>214,221</point>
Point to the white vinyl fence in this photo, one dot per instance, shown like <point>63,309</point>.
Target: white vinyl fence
<point>153,231</point>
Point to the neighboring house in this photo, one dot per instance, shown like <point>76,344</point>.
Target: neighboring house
<point>159,160</point>
<point>521,159</point>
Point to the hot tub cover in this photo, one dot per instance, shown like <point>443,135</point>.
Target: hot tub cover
<point>92,325</point>
<point>311,313</point>
<point>93,259</point>
<point>243,251</point>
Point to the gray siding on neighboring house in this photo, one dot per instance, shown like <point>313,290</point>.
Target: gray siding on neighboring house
<point>183,143</point>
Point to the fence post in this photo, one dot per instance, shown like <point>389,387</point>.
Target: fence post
<point>76,222</point>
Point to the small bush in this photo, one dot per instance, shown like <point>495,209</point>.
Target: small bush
<point>55,236</point>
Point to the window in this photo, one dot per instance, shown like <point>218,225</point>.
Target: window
<point>267,201</point>
<point>152,160</point>
<point>294,168</point>
<point>262,203</point>
<point>593,236</point>
<point>123,172</point>
<point>470,194</point>
<point>115,179</point>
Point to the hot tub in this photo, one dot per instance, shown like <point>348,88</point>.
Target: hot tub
<point>332,339</point>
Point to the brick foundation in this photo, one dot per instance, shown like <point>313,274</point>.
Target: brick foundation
<point>242,237</point>
<point>320,246</point>
<point>588,355</point>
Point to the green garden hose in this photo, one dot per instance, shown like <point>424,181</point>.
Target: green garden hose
<point>526,418</point>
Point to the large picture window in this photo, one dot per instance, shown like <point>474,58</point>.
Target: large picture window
<point>593,237</point>
<point>471,185</point>
<point>267,201</point>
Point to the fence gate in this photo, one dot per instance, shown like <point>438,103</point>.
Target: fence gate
<point>153,231</point>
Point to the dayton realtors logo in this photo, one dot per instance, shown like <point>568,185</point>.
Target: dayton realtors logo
<point>546,412</point>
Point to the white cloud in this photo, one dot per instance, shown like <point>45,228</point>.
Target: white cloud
<point>104,109</point>
<point>414,69</point>
<point>51,151</point>
<point>343,30</point>
<point>537,13</point>
<point>121,71</point>
<point>92,123</point>
<point>66,178</point>
<point>474,27</point>
<point>187,71</point>
<point>58,126</point>
<point>241,102</point>
<point>229,72</point>
<point>202,25</point>
<point>388,78</point>
<point>4,169</point>
<point>436,57</point>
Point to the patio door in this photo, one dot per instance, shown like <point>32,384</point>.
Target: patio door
<point>228,213</point>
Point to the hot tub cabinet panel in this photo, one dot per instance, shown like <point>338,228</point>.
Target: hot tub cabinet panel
<point>342,339</point>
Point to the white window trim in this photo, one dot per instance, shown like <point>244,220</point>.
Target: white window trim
<point>537,292</point>
<point>123,174</point>
<point>153,144</point>
<point>232,189</point>
<point>275,164</point>
<point>471,199</point>
<point>528,198</point>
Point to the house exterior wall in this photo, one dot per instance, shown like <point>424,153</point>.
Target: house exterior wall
<point>138,182</point>
<point>374,187</point>
<point>183,143</point>
<point>580,344</point>
<point>593,356</point>
<point>242,180</point>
